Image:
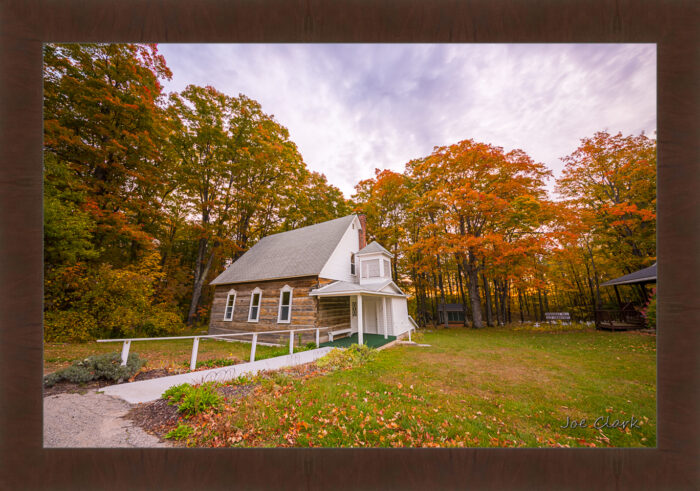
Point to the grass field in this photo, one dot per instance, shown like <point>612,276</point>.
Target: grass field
<point>491,387</point>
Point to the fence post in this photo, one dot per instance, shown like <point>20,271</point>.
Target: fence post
<point>195,348</point>
<point>291,342</point>
<point>252,347</point>
<point>125,351</point>
<point>317,338</point>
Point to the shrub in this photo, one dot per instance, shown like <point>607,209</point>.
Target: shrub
<point>649,312</point>
<point>106,366</point>
<point>180,433</point>
<point>175,393</point>
<point>69,326</point>
<point>355,355</point>
<point>161,323</point>
<point>193,400</point>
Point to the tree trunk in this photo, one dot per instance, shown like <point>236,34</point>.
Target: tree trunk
<point>461,293</point>
<point>442,293</point>
<point>520,305</point>
<point>497,302</point>
<point>508,295</point>
<point>487,298</point>
<point>200,274</point>
<point>473,288</point>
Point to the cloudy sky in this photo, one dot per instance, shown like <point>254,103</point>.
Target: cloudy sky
<point>351,108</point>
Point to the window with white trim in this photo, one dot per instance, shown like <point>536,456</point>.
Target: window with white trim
<point>370,268</point>
<point>387,268</point>
<point>284,314</point>
<point>255,300</point>
<point>230,304</point>
<point>352,263</point>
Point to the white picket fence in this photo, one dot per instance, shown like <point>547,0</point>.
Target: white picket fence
<point>195,345</point>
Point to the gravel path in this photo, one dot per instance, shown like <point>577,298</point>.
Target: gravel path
<point>92,420</point>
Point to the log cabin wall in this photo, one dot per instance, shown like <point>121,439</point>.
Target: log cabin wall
<point>334,312</point>
<point>304,309</point>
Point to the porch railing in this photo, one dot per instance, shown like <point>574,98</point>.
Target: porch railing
<point>195,344</point>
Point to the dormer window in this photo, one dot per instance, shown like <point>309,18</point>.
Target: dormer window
<point>352,263</point>
<point>387,268</point>
<point>255,300</point>
<point>370,268</point>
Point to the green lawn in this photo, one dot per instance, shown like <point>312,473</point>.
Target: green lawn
<point>491,387</point>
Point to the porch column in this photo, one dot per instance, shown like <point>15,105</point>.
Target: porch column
<point>387,305</point>
<point>360,315</point>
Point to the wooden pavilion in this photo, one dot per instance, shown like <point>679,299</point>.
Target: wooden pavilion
<point>627,317</point>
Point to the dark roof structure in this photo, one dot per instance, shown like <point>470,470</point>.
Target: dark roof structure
<point>646,275</point>
<point>301,252</point>
<point>451,307</point>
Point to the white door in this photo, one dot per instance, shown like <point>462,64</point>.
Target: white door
<point>369,318</point>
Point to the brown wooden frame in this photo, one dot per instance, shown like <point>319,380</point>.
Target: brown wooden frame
<point>25,24</point>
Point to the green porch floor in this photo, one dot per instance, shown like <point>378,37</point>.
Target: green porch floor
<point>371,340</point>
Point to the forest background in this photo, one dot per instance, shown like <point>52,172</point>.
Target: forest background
<point>148,196</point>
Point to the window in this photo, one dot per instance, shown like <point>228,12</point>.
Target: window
<point>353,306</point>
<point>387,268</point>
<point>285,311</point>
<point>230,304</point>
<point>255,298</point>
<point>370,268</point>
<point>352,263</point>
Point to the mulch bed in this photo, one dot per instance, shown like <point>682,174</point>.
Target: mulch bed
<point>66,387</point>
<point>156,418</point>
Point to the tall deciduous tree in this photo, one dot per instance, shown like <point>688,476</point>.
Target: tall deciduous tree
<point>235,164</point>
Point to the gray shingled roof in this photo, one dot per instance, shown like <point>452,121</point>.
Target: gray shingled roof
<point>646,275</point>
<point>374,247</point>
<point>300,252</point>
<point>346,286</point>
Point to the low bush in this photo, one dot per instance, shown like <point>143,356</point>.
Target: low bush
<point>69,326</point>
<point>106,366</point>
<point>649,312</point>
<point>180,433</point>
<point>192,400</point>
<point>353,356</point>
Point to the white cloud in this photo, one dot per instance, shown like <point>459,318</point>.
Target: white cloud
<point>353,108</point>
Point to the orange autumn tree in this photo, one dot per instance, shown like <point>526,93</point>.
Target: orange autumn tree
<point>614,177</point>
<point>610,180</point>
<point>473,191</point>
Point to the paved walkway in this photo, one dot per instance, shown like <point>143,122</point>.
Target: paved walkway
<point>150,390</point>
<point>92,420</point>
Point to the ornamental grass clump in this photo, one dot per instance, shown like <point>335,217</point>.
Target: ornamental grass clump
<point>353,356</point>
<point>107,366</point>
<point>193,400</point>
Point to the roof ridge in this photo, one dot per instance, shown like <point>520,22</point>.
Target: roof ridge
<point>305,227</point>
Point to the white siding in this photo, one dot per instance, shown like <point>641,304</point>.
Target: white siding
<point>400,314</point>
<point>338,265</point>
